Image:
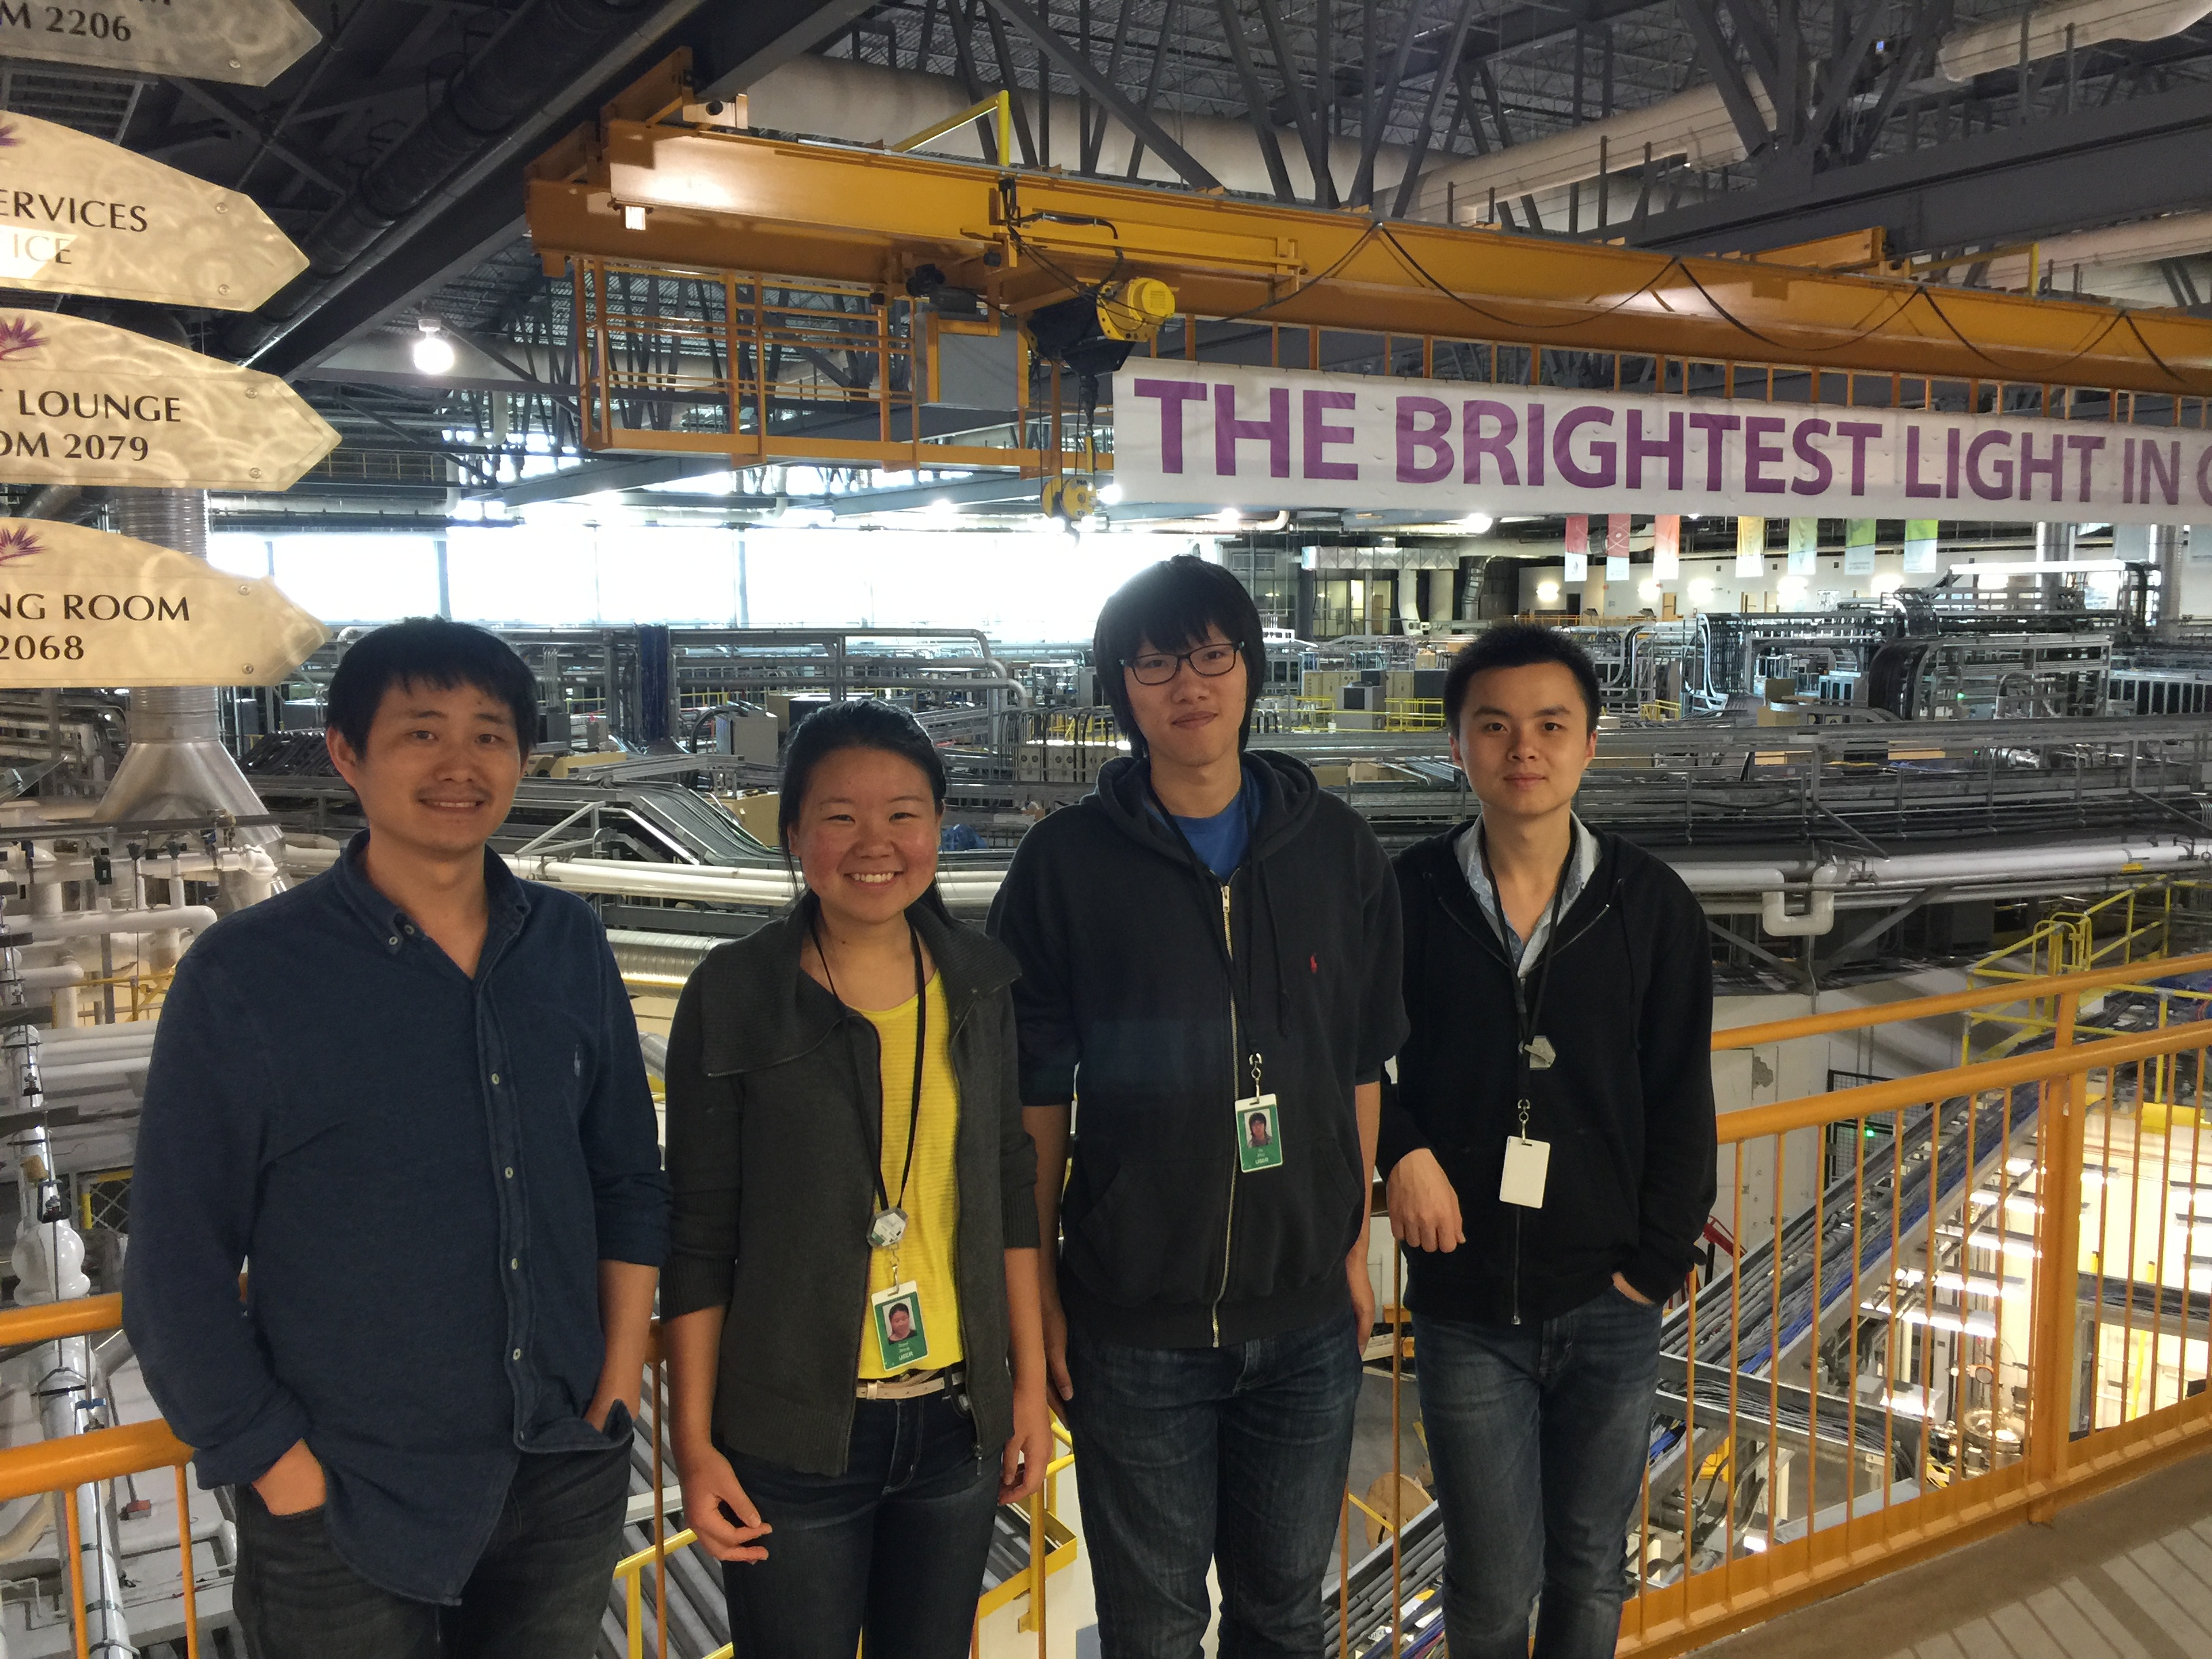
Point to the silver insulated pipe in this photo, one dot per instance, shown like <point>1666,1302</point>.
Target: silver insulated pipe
<point>176,766</point>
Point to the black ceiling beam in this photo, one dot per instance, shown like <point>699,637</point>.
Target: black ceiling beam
<point>1513,28</point>
<point>1256,108</point>
<point>2057,173</point>
<point>479,212</point>
<point>1719,59</point>
<point>1088,75</point>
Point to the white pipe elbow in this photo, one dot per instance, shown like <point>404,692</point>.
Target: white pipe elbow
<point>1818,915</point>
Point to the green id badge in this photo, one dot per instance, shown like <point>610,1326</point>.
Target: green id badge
<point>1259,1134</point>
<point>900,1335</point>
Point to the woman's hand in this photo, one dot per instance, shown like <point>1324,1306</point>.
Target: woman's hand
<point>710,1486</point>
<point>1030,1452</point>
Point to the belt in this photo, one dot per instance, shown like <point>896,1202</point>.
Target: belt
<point>911,1385</point>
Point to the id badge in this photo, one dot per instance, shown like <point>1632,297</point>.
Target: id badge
<point>1259,1134</point>
<point>1526,1163</point>
<point>901,1337</point>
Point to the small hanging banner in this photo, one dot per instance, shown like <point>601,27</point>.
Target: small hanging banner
<point>82,607</point>
<point>1577,532</point>
<point>82,403</point>
<point>1804,546</point>
<point>1858,547</point>
<point>1616,546</point>
<point>1667,547</point>
<point>1920,547</point>
<point>1751,547</point>
<point>1577,568</point>
<point>248,42</point>
<point>104,221</point>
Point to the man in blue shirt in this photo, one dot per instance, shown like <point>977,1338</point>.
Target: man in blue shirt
<point>406,1098</point>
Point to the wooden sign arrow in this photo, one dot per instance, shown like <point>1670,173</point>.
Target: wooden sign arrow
<point>82,607</point>
<point>82,403</point>
<point>248,42</point>
<point>80,215</point>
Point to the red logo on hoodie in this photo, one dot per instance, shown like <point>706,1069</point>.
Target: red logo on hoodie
<point>1314,962</point>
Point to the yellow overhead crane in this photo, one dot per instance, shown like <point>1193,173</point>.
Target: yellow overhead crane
<point>774,298</point>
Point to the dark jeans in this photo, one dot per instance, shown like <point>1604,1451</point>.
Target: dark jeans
<point>1539,1436</point>
<point>537,1592</point>
<point>894,1545</point>
<point>1235,1455</point>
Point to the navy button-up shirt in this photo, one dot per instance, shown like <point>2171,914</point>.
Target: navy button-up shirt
<point>421,1173</point>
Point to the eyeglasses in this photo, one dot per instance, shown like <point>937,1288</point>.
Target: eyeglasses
<point>1158,667</point>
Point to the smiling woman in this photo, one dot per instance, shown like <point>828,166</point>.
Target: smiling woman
<point>858,1054</point>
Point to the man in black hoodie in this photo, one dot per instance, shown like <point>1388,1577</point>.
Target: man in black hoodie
<point>1206,940</point>
<point>1549,1148</point>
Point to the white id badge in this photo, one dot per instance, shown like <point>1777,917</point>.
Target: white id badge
<point>1526,1162</point>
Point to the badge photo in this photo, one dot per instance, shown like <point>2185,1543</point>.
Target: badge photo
<point>1259,1134</point>
<point>901,1337</point>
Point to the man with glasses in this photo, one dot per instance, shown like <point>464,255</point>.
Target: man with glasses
<point>1210,956</point>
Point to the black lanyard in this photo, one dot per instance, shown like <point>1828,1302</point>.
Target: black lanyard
<point>1254,1061</point>
<point>1531,1011</point>
<point>884,1203</point>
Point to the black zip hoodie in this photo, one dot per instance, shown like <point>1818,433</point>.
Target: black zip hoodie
<point>1135,997</point>
<point>1627,1107</point>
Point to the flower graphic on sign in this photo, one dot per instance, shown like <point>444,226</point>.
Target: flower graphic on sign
<point>8,139</point>
<point>17,542</point>
<point>18,336</point>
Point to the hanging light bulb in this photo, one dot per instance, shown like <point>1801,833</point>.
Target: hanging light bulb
<point>432,352</point>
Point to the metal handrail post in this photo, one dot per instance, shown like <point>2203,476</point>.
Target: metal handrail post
<point>2057,1296</point>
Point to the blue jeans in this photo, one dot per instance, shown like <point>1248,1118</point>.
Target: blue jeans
<point>1236,1455</point>
<point>539,1589</point>
<point>894,1546</point>
<point>1539,1436</point>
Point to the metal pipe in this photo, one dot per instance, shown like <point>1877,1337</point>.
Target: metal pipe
<point>92,923</point>
<point>49,1262</point>
<point>2165,554</point>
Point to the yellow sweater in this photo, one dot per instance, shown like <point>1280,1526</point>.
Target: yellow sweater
<point>932,1196</point>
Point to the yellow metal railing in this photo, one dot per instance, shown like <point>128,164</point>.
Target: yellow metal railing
<point>1000,105</point>
<point>1412,714</point>
<point>1936,1390</point>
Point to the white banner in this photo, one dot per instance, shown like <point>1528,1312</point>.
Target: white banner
<point>81,607</point>
<point>80,215</point>
<point>82,403</point>
<point>247,42</point>
<point>1195,434</point>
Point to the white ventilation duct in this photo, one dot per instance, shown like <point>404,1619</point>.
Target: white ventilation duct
<point>2146,241</point>
<point>1691,127</point>
<point>864,104</point>
<point>1999,46</point>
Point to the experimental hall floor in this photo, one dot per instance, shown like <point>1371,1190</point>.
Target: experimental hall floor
<point>2126,1575</point>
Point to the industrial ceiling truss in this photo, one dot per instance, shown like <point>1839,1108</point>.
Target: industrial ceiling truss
<point>768,298</point>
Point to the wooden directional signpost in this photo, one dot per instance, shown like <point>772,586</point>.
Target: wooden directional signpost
<point>82,607</point>
<point>248,42</point>
<point>80,215</point>
<point>82,402</point>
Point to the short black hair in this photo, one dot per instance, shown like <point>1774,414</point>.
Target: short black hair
<point>427,651</point>
<point>1171,606</point>
<point>1519,645</point>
